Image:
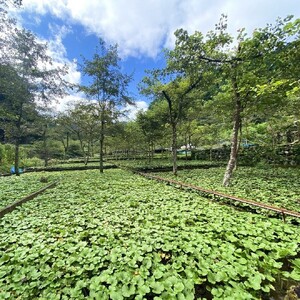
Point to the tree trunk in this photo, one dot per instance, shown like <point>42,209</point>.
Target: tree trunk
<point>235,135</point>
<point>149,151</point>
<point>86,159</point>
<point>174,148</point>
<point>173,123</point>
<point>82,146</point>
<point>46,158</point>
<point>186,147</point>
<point>101,146</point>
<point>17,145</point>
<point>65,145</point>
<point>152,150</point>
<point>297,122</point>
<point>92,148</point>
<point>17,156</point>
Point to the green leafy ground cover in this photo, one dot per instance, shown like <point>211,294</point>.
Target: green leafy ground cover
<point>161,163</point>
<point>121,236</point>
<point>71,163</point>
<point>14,188</point>
<point>275,186</point>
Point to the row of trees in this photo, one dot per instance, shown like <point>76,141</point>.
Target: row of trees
<point>215,89</point>
<point>30,81</point>
<point>248,80</point>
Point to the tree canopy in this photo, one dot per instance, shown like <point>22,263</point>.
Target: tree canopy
<point>108,87</point>
<point>216,90</point>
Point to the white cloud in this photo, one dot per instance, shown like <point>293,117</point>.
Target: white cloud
<point>142,27</point>
<point>65,103</point>
<point>131,110</point>
<point>58,53</point>
<point>70,101</point>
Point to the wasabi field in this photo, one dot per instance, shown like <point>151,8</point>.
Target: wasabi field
<point>118,235</point>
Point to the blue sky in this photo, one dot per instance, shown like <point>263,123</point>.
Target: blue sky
<point>141,28</point>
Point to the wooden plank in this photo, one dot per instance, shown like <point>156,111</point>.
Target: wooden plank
<point>12,206</point>
<point>283,211</point>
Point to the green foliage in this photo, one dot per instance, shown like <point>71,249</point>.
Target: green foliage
<point>74,150</point>
<point>285,155</point>
<point>82,121</point>
<point>7,157</point>
<point>273,185</point>
<point>249,78</point>
<point>212,154</point>
<point>52,150</point>
<point>108,86</point>
<point>152,123</point>
<point>112,237</point>
<point>143,164</point>
<point>14,188</point>
<point>32,162</point>
<point>197,79</point>
<point>27,82</point>
<point>6,153</point>
<point>108,83</point>
<point>126,138</point>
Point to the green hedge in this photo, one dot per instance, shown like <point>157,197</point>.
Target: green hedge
<point>281,155</point>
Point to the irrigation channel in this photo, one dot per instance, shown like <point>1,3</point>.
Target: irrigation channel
<point>284,212</point>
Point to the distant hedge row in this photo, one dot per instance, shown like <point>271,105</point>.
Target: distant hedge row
<point>281,155</point>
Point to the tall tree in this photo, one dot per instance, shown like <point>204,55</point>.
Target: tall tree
<point>151,124</point>
<point>7,29</point>
<point>211,51</point>
<point>189,126</point>
<point>108,86</point>
<point>30,83</point>
<point>240,67</point>
<point>82,120</point>
<point>170,84</point>
<point>62,133</point>
<point>177,96</point>
<point>16,117</point>
<point>47,145</point>
<point>125,138</point>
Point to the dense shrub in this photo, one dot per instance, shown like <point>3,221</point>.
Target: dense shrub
<point>7,156</point>
<point>280,155</point>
